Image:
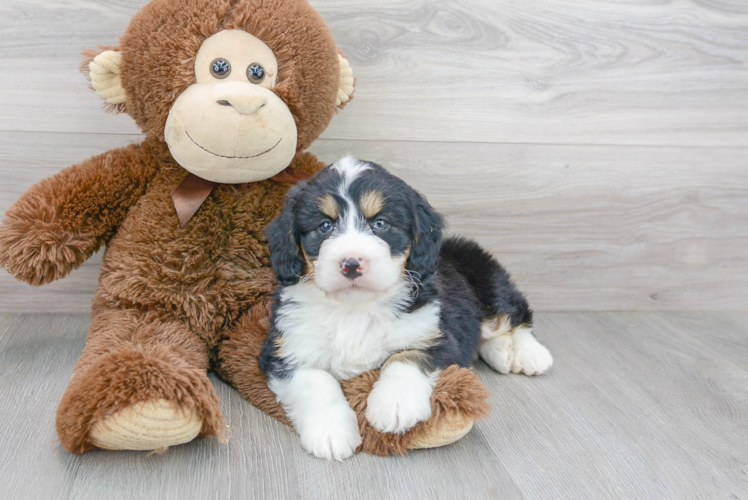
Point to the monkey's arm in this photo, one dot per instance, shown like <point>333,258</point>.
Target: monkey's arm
<point>61,221</point>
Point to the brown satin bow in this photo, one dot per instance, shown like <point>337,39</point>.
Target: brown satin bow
<point>194,190</point>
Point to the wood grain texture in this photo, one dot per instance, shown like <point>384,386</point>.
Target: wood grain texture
<point>637,405</point>
<point>600,149</point>
<point>579,227</point>
<point>548,71</point>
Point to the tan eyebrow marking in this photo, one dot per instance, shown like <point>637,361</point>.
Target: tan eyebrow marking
<point>309,271</point>
<point>328,205</point>
<point>371,203</point>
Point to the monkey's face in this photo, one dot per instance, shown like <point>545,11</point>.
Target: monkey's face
<point>229,126</point>
<point>234,87</point>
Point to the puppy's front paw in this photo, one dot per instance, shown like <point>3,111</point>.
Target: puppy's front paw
<point>333,434</point>
<point>530,357</point>
<point>395,406</point>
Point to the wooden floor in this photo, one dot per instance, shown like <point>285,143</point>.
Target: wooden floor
<point>599,147</point>
<point>637,405</point>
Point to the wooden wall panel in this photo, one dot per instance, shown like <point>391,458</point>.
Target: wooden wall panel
<point>579,227</point>
<point>599,148</point>
<point>547,71</point>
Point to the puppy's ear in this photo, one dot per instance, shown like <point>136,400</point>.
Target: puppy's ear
<point>427,238</point>
<point>283,242</point>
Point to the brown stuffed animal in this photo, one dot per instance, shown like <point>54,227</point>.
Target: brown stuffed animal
<point>230,94</point>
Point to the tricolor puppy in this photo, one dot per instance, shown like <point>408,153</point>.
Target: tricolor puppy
<point>366,282</point>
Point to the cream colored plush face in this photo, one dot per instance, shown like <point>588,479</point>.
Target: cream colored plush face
<point>231,130</point>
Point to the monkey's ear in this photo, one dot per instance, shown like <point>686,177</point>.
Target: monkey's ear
<point>104,73</point>
<point>346,86</point>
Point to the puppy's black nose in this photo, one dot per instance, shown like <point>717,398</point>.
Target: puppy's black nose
<point>351,268</point>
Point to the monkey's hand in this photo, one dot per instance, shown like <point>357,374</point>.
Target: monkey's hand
<point>62,220</point>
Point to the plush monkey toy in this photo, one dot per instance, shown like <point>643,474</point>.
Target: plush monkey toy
<point>230,94</point>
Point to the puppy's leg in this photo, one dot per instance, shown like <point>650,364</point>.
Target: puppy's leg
<point>496,347</point>
<point>507,340</point>
<point>506,347</point>
<point>314,402</point>
<point>402,396</point>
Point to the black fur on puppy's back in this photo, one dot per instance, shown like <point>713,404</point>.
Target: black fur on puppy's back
<point>490,282</point>
<point>459,318</point>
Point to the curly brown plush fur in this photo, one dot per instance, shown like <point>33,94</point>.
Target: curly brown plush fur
<point>174,301</point>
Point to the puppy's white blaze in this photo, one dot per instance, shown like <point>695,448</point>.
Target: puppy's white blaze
<point>400,398</point>
<point>382,271</point>
<point>348,337</point>
<point>350,167</point>
<point>315,404</point>
<point>353,221</point>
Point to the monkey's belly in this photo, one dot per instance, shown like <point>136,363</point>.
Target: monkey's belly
<point>204,274</point>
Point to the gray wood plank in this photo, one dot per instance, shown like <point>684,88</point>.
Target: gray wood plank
<point>659,73</point>
<point>636,406</point>
<point>37,354</point>
<point>725,338</point>
<point>579,227</point>
<point>633,408</point>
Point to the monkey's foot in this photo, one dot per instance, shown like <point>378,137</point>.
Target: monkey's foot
<point>130,399</point>
<point>146,425</point>
<point>452,428</point>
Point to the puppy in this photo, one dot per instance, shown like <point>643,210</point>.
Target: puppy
<point>366,282</point>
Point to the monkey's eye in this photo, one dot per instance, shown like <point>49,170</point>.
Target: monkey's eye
<point>255,73</point>
<point>380,224</point>
<point>325,227</point>
<point>220,68</point>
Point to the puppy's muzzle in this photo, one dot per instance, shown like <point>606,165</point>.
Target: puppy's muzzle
<point>352,268</point>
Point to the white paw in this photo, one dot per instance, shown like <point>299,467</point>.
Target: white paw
<point>396,411</point>
<point>332,434</point>
<point>530,356</point>
<point>400,399</point>
<point>498,353</point>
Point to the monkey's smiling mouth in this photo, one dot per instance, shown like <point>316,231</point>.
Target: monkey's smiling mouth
<point>224,156</point>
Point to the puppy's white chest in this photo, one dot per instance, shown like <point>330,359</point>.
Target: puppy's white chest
<point>348,339</point>
<point>356,343</point>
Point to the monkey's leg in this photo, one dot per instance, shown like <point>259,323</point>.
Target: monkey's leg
<point>140,384</point>
<point>457,401</point>
<point>238,363</point>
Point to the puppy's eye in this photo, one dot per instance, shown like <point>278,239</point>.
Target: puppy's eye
<point>325,227</point>
<point>220,68</point>
<point>380,224</point>
<point>255,73</point>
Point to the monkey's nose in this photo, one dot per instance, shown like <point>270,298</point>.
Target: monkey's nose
<point>241,96</point>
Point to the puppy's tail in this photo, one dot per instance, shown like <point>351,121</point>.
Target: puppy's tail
<point>502,302</point>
